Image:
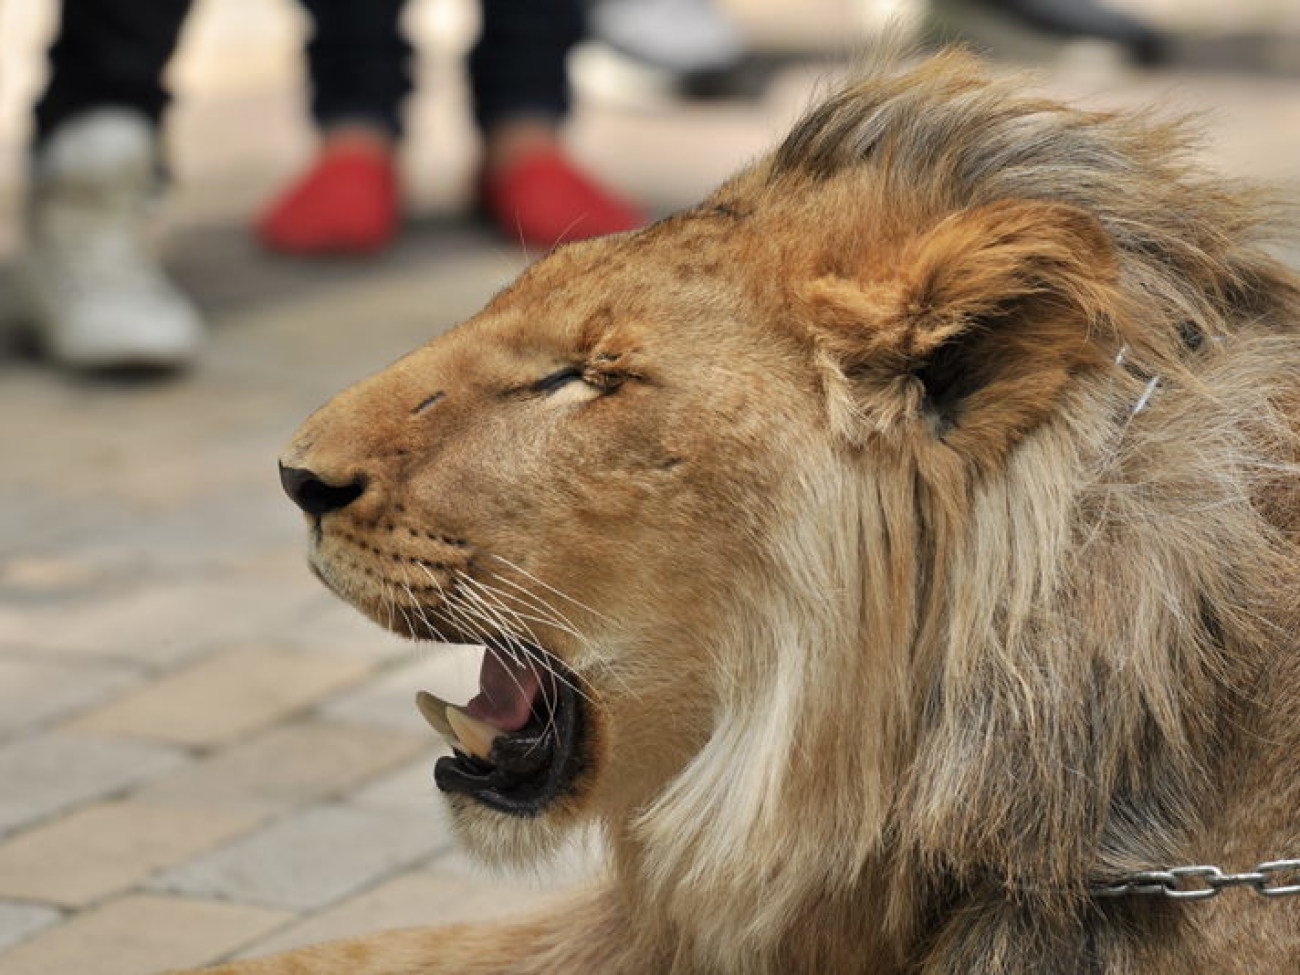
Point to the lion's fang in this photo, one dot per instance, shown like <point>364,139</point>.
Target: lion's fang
<point>434,710</point>
<point>476,737</point>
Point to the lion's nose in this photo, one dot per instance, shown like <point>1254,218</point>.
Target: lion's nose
<point>316,496</point>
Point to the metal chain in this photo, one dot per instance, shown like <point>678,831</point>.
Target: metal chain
<point>1203,882</point>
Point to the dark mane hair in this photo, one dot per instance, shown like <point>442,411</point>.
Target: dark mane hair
<point>1089,609</point>
<point>954,135</point>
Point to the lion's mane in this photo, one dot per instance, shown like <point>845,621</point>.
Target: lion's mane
<point>980,681</point>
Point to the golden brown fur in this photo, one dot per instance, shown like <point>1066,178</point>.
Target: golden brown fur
<point>910,610</point>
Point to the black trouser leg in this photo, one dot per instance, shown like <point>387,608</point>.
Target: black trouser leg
<point>359,60</point>
<point>110,52</point>
<point>518,65</point>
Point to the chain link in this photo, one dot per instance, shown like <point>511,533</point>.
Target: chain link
<point>1203,882</point>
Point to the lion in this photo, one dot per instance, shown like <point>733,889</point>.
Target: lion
<point>893,557</point>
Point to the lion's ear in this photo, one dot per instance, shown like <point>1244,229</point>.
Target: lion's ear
<point>978,324</point>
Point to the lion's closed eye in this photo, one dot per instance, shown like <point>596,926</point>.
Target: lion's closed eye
<point>559,379</point>
<point>578,383</point>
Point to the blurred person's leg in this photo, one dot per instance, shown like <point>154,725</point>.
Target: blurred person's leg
<point>520,86</point>
<point>347,201</point>
<point>110,52</point>
<point>360,63</point>
<point>97,294</point>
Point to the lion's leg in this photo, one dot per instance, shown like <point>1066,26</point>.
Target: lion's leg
<point>586,934</point>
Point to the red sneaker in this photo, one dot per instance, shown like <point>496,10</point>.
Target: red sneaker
<point>347,203</point>
<point>543,199</point>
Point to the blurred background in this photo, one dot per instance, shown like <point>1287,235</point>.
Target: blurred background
<point>239,126</point>
<point>202,754</point>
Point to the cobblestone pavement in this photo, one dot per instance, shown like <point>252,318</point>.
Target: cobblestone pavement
<point>202,754</point>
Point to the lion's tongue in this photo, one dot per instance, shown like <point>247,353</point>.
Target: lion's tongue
<point>503,704</point>
<point>506,693</point>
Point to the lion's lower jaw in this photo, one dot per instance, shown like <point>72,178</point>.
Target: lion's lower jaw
<point>502,840</point>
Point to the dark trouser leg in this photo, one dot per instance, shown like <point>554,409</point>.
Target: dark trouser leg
<point>110,52</point>
<point>359,61</point>
<point>518,65</point>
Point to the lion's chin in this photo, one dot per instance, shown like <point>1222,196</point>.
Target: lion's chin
<point>522,753</point>
<point>510,841</point>
<point>517,801</point>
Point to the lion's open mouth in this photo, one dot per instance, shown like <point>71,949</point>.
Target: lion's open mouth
<point>519,743</point>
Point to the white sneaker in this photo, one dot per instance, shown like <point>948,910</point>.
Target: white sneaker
<point>96,293</point>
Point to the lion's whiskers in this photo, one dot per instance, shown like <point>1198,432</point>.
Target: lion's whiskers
<point>418,609</point>
<point>555,620</point>
<point>547,614</point>
<point>547,586</point>
<point>553,617</point>
<point>550,616</point>
<point>526,646</point>
<point>388,600</point>
<point>481,605</point>
<point>473,621</point>
<point>491,599</point>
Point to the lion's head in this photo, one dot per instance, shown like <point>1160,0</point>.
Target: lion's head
<point>893,526</point>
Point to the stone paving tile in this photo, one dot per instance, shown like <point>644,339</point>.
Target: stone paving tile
<point>227,695</point>
<point>35,575</point>
<point>319,620</point>
<point>409,788</point>
<point>19,921</point>
<point>107,848</point>
<point>286,766</point>
<point>416,899</point>
<point>308,860</point>
<point>158,624</point>
<point>47,774</point>
<point>33,692</point>
<point>141,935</point>
<point>451,672</point>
